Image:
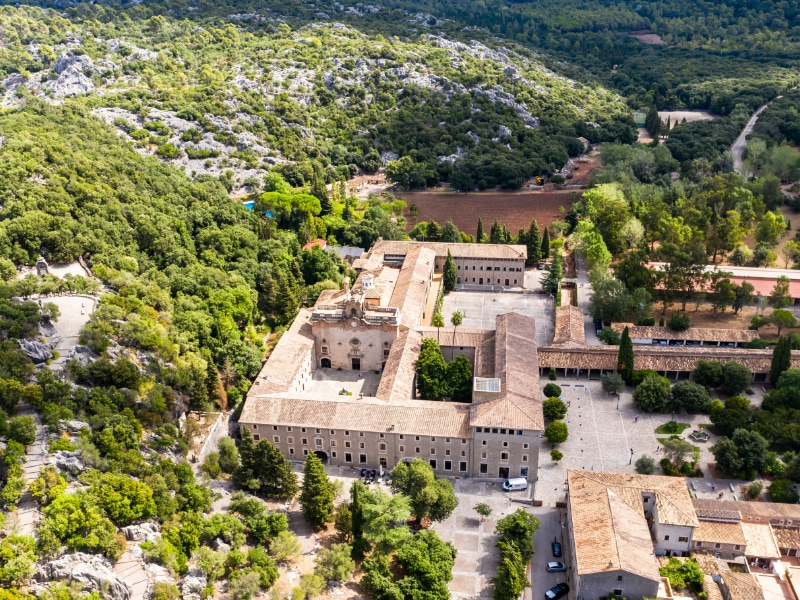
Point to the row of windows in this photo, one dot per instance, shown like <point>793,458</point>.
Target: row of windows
<point>488,281</point>
<point>466,268</point>
<point>716,546</point>
<point>503,456</point>
<point>682,538</point>
<point>496,430</point>
<point>380,435</point>
<point>418,450</point>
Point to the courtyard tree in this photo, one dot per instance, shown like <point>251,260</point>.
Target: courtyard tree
<point>691,396</point>
<point>556,455</point>
<point>736,378</point>
<point>450,276</point>
<point>459,379</point>
<point>782,318</point>
<point>483,509</point>
<point>612,383</point>
<point>707,373</point>
<point>317,493</point>
<point>781,359</point>
<point>518,529</point>
<point>431,371</point>
<point>653,394</point>
<point>676,450</point>
<point>556,432</point>
<point>554,409</point>
<point>552,390</point>
<point>645,465</point>
<point>344,523</point>
<point>625,357</point>
<point>429,497</point>
<point>455,320</point>
<point>437,320</point>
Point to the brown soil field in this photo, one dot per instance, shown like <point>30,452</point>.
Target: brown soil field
<point>648,37</point>
<point>512,209</point>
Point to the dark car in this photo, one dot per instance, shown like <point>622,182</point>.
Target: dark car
<point>598,326</point>
<point>556,567</point>
<point>373,475</point>
<point>555,592</point>
<point>556,549</point>
<point>363,473</point>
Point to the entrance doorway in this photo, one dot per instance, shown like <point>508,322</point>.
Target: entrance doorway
<point>383,461</point>
<point>503,473</point>
<point>480,280</point>
<point>323,456</point>
<point>506,282</point>
<point>356,364</point>
<point>325,363</point>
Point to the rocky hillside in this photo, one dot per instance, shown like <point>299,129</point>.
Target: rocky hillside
<point>249,93</point>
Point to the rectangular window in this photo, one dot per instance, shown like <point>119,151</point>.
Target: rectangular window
<point>463,441</point>
<point>504,456</point>
<point>290,440</point>
<point>717,546</point>
<point>303,430</point>
<point>274,428</point>
<point>463,453</point>
<point>738,547</point>
<point>446,440</point>
<point>448,465</point>
<point>478,430</point>
<point>362,459</point>
<point>503,431</point>
<point>333,432</point>
<point>433,463</point>
<point>347,444</point>
<point>683,538</point>
<point>524,446</point>
<point>255,426</point>
<point>433,450</point>
<point>402,437</point>
<point>361,445</point>
<point>347,433</point>
<point>289,429</point>
<point>618,592</point>
<point>523,471</point>
<point>348,458</point>
<point>416,450</point>
<point>519,431</point>
<point>433,439</point>
<point>291,450</point>
<point>494,430</point>
<point>524,458</point>
<point>381,436</point>
<point>382,447</point>
<point>256,437</point>
<point>305,451</point>
<point>318,443</point>
<point>276,439</point>
<point>462,467</point>
<point>666,538</point>
<point>505,444</point>
<point>316,431</point>
<point>698,544</point>
<point>416,437</point>
<point>333,454</point>
<point>483,455</point>
<point>484,469</point>
<point>333,443</point>
<point>619,577</point>
<point>447,452</point>
<point>483,443</point>
<point>305,441</point>
<point>402,448</point>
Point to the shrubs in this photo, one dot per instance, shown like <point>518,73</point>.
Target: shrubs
<point>551,390</point>
<point>609,336</point>
<point>782,490</point>
<point>645,465</point>
<point>554,409</point>
<point>556,455</point>
<point>683,575</point>
<point>612,383</point>
<point>754,489</point>
<point>678,322</point>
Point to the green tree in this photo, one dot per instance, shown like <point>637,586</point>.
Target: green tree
<point>228,454</point>
<point>554,409</point>
<point>480,235</point>
<point>556,432</point>
<point>782,490</point>
<point>22,429</point>
<point>534,243</point>
<point>546,244</point>
<point>552,390</point>
<point>459,379</point>
<point>612,383</point>
<point>518,529</point>
<point>645,465</point>
<point>707,373</point>
<point>317,494</point>
<point>625,357</point>
<point>450,233</point>
<point>335,564</point>
<point>429,497</point>
<point>285,547</point>
<point>556,455</point>
<point>450,276</point>
<point>676,449</point>
<point>437,320</point>
<point>552,278</point>
<point>781,359</point>
<point>483,509</point>
<point>264,469</point>
<point>781,296</point>
<point>736,378</point>
<point>344,523</point>
<point>770,229</point>
<point>782,318</point>
<point>431,371</point>
<point>653,394</point>
<point>691,396</point>
<point>455,320</point>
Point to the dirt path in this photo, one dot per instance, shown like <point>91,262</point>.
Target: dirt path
<point>130,569</point>
<point>738,146</point>
<point>27,515</point>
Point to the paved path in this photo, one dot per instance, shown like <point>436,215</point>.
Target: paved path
<point>130,569</point>
<point>27,514</point>
<point>738,146</point>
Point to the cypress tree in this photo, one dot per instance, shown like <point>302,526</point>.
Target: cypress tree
<point>480,234</point>
<point>450,273</point>
<point>212,380</point>
<point>625,357</point>
<point>781,359</point>
<point>317,495</point>
<point>534,243</point>
<point>546,244</point>
<point>319,190</point>
<point>198,392</point>
<point>356,510</point>
<point>496,233</point>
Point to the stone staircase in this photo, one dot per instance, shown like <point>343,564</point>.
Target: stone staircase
<point>130,569</point>
<point>27,514</point>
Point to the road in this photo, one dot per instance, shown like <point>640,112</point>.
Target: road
<point>738,146</point>
<point>540,579</point>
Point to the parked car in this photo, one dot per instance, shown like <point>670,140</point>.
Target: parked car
<point>373,475</point>
<point>556,549</point>
<point>556,567</point>
<point>516,484</point>
<point>557,591</point>
<point>540,266</point>
<point>598,326</point>
<point>363,473</point>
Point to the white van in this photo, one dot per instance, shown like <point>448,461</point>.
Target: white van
<point>514,485</point>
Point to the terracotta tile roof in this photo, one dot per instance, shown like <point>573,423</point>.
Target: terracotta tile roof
<point>569,325</point>
<point>418,417</point>
<point>412,286</point>
<point>787,538</point>
<point>316,242</point>
<point>760,541</point>
<point>765,510</point>
<point>742,586</point>
<point>700,334</point>
<point>287,358</point>
<point>476,251</point>
<point>484,358</point>
<point>711,587</point>
<point>719,533</point>
<point>520,406</point>
<point>718,514</point>
<point>465,338</point>
<point>658,358</point>
<point>610,533</point>
<point>397,380</point>
<point>708,563</point>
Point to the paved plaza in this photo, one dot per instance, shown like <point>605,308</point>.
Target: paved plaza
<point>480,310</point>
<point>332,381</point>
<point>602,433</point>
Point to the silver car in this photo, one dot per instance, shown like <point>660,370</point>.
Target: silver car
<point>556,567</point>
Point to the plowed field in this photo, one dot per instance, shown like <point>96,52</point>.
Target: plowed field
<point>512,209</point>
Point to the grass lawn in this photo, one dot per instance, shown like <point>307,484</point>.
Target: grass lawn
<point>672,427</point>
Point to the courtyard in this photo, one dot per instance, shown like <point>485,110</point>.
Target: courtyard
<point>480,309</point>
<point>333,381</point>
<point>602,432</point>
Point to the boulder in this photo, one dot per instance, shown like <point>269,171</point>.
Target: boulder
<point>90,571</point>
<point>74,63</point>
<point>221,546</point>
<point>142,532</point>
<point>73,426</point>
<point>193,584</point>
<point>36,350</point>
<point>66,461</point>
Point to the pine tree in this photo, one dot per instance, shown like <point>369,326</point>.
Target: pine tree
<point>286,301</point>
<point>450,273</point>
<point>653,122</point>
<point>781,359</point>
<point>450,233</point>
<point>554,275</point>
<point>317,495</point>
<point>198,392</point>
<point>264,469</point>
<point>480,234</point>
<point>319,190</point>
<point>625,357</point>
<point>534,242</point>
<point>546,244</point>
